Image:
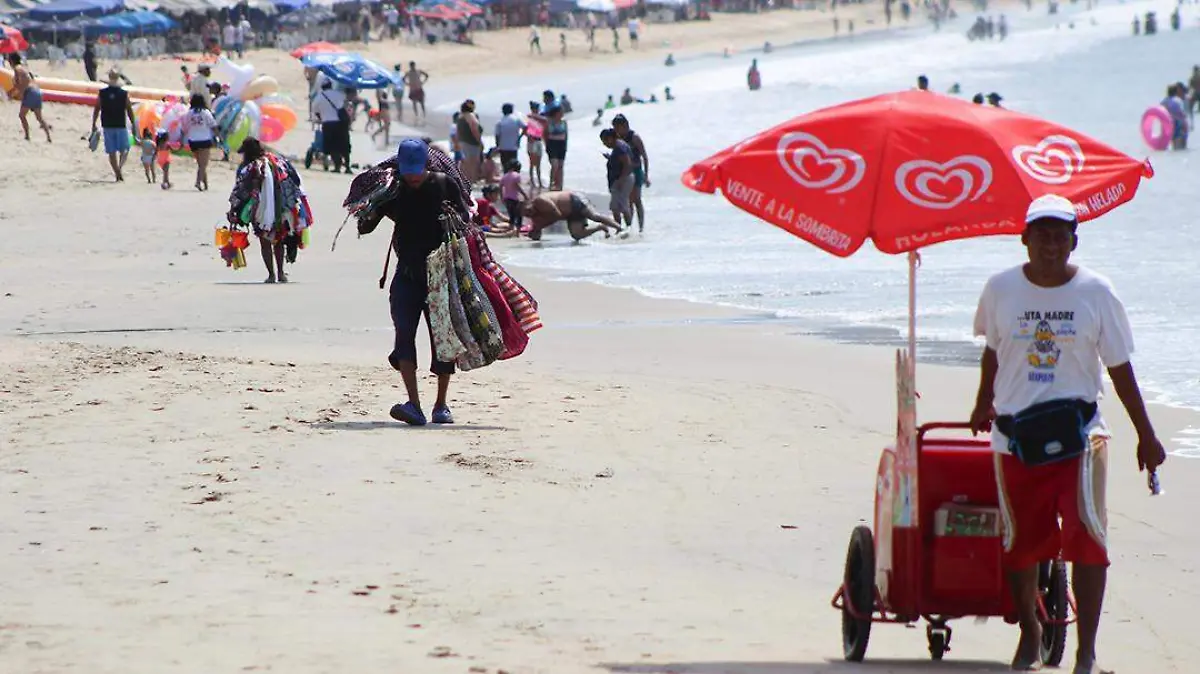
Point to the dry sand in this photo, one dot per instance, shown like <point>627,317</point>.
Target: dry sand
<point>199,473</point>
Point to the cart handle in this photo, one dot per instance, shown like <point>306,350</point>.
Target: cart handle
<point>941,426</point>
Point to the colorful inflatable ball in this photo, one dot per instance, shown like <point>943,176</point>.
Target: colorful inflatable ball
<point>281,113</point>
<point>1157,127</point>
<point>271,129</point>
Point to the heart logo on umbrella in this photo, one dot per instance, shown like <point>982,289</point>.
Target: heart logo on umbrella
<point>817,166</point>
<point>943,186</point>
<point>1052,161</point>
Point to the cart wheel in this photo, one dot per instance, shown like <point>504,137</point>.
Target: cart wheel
<point>1053,586</point>
<point>325,161</point>
<point>308,157</point>
<point>937,645</point>
<point>858,594</point>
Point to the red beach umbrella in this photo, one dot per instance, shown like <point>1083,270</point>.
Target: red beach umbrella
<point>11,40</point>
<point>317,48</point>
<point>912,169</point>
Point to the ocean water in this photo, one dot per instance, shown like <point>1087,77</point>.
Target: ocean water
<point>1085,71</point>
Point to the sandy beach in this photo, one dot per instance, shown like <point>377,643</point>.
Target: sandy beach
<point>201,476</point>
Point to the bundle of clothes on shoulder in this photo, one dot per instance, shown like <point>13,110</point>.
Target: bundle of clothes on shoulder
<point>267,198</point>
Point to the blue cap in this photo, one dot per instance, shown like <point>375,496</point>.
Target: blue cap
<point>412,156</point>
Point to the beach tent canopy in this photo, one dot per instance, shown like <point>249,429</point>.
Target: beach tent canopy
<point>604,5</point>
<point>312,15</point>
<point>130,23</point>
<point>290,5</point>
<point>57,10</point>
<point>181,7</point>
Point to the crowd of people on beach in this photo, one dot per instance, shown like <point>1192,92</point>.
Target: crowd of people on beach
<point>532,202</point>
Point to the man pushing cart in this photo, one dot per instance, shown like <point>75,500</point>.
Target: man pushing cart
<point>966,526</point>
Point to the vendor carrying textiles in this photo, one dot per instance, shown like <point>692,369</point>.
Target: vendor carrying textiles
<point>475,312</point>
<point>267,198</point>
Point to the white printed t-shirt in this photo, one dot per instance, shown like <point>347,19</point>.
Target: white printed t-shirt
<point>1051,343</point>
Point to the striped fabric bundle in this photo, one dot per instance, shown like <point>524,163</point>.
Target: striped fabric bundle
<point>524,307</point>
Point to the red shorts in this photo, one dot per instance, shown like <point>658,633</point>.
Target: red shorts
<point>1032,499</point>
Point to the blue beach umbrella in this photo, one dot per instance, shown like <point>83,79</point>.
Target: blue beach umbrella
<point>351,70</point>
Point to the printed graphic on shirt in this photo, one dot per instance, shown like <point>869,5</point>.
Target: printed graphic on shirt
<point>1047,333</point>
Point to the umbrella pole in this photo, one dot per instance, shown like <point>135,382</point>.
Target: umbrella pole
<point>914,260</point>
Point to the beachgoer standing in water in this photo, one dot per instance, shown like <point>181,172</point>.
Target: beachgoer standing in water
<point>30,95</point>
<point>619,168</point>
<point>112,108</point>
<point>508,135</point>
<point>641,166</point>
<point>1049,326</point>
<point>416,210</point>
<point>753,77</point>
<point>416,79</point>
<point>534,147</point>
<point>556,142</point>
<point>548,208</point>
<point>470,141</point>
<point>1173,102</point>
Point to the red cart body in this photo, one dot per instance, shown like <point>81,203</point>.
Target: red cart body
<point>935,552</point>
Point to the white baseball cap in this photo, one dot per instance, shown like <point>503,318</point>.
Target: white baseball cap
<point>1053,207</point>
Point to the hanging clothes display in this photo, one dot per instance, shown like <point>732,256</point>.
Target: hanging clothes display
<point>268,200</point>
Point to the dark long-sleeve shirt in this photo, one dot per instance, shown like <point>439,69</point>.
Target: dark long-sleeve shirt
<point>416,212</point>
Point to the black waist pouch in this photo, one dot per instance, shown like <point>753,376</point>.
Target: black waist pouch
<point>1048,432</point>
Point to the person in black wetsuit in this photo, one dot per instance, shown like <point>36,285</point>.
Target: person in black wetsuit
<point>418,232</point>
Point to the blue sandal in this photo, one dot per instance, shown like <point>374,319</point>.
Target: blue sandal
<point>409,414</point>
<point>442,415</point>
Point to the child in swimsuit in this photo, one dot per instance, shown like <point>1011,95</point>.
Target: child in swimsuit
<point>163,156</point>
<point>149,149</point>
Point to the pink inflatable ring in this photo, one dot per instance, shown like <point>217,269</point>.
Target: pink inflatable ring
<point>1157,127</point>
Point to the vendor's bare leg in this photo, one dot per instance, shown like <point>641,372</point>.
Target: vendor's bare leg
<point>265,247</point>
<point>1088,581</point>
<point>1028,657</point>
<point>280,249</point>
<point>443,389</point>
<point>408,372</point>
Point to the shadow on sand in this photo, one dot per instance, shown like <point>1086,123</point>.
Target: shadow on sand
<point>380,425</point>
<point>826,667</point>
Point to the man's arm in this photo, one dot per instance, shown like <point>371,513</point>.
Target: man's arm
<point>497,134</point>
<point>981,416</point>
<point>129,114</point>
<point>95,113</point>
<point>1150,451</point>
<point>641,147</point>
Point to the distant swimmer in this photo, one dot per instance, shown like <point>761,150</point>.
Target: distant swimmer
<point>994,99</point>
<point>767,48</point>
<point>753,77</point>
<point>609,104</point>
<point>977,99</point>
<point>956,88</point>
<point>627,97</point>
<point>922,83</point>
<point>667,95</point>
<point>599,118</point>
<point>670,60</point>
